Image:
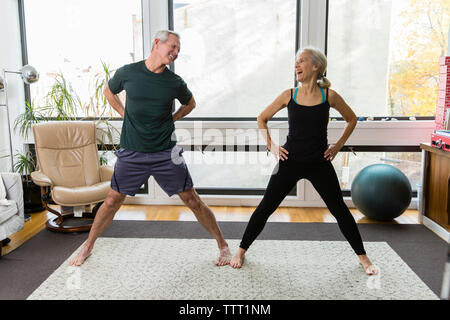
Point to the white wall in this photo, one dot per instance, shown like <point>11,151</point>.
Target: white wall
<point>10,59</point>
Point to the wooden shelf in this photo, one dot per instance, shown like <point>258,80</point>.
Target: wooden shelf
<point>436,183</point>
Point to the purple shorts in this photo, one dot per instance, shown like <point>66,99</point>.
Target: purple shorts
<point>134,168</point>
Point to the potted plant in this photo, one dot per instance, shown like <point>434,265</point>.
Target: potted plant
<point>25,164</point>
<point>102,112</point>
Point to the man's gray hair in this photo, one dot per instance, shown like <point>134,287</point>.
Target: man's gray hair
<point>163,35</point>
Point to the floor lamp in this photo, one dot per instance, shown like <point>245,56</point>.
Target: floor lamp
<point>29,75</point>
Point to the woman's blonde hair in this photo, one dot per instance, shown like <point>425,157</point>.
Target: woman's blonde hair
<point>320,60</point>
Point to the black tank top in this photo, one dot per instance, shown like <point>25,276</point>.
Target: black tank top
<point>307,139</point>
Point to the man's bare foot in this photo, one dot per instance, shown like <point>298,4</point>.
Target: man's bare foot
<point>224,257</point>
<point>238,259</point>
<point>79,259</point>
<point>369,268</point>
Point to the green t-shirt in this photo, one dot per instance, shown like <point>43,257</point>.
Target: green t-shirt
<point>148,124</point>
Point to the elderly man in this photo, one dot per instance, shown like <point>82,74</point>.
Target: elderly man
<point>147,147</point>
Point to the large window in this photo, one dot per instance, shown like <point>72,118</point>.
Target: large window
<point>236,56</point>
<point>383,54</point>
<point>74,43</point>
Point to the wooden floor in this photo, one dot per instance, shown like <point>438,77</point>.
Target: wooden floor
<point>182,213</point>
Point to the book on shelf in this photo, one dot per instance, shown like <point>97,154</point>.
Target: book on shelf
<point>444,133</point>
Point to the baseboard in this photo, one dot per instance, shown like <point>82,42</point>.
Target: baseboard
<point>436,228</point>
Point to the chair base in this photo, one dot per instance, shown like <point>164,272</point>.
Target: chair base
<point>55,224</point>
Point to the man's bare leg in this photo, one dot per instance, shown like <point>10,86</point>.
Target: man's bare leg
<point>207,219</point>
<point>103,218</point>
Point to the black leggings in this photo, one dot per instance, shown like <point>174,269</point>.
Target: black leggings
<point>324,179</point>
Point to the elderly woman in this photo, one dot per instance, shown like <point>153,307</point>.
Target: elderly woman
<point>306,153</point>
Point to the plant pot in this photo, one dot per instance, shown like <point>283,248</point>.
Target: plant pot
<point>32,199</point>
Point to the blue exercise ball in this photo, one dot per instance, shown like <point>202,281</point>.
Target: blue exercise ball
<point>381,192</point>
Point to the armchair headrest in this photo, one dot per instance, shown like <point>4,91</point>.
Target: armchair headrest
<point>64,134</point>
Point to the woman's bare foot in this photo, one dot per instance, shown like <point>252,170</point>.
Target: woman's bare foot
<point>79,259</point>
<point>368,266</point>
<point>238,259</point>
<point>224,257</point>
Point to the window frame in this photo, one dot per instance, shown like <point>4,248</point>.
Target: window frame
<point>294,83</point>
<point>325,48</point>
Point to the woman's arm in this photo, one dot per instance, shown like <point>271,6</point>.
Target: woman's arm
<point>280,102</point>
<point>338,103</point>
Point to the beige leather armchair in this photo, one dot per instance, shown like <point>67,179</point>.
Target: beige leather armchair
<point>69,170</point>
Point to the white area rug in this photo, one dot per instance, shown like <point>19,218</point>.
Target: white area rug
<point>174,269</point>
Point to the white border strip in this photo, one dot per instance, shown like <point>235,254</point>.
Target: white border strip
<point>436,228</point>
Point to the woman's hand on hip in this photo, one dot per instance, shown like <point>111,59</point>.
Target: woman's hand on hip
<point>332,151</point>
<point>279,152</point>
